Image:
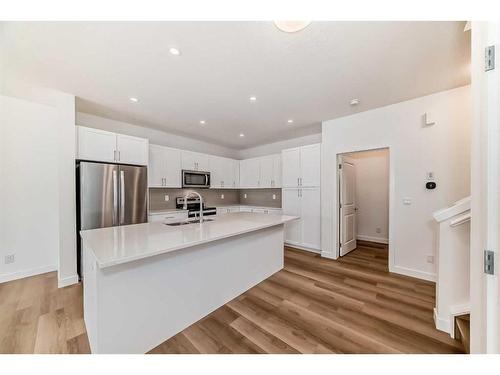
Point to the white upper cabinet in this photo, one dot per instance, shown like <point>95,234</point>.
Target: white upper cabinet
<point>194,161</point>
<point>100,145</point>
<point>250,173</point>
<point>302,166</point>
<point>132,150</point>
<point>164,167</point>
<point>291,167</point>
<point>95,144</point>
<point>276,181</point>
<point>222,172</point>
<point>266,172</point>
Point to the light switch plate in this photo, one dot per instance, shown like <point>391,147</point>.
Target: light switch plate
<point>407,201</point>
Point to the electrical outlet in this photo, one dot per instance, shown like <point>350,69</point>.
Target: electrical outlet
<point>378,230</point>
<point>245,196</point>
<point>11,258</point>
<point>167,197</point>
<point>222,196</point>
<point>274,196</point>
<point>430,258</point>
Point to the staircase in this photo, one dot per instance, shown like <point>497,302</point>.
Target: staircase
<point>462,331</point>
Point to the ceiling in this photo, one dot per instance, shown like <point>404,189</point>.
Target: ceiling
<point>308,76</point>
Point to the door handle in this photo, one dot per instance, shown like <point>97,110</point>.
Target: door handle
<point>115,198</point>
<point>122,197</point>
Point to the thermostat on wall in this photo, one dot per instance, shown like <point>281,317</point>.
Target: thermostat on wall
<point>430,185</point>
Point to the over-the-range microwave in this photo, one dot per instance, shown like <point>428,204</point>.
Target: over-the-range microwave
<point>195,179</point>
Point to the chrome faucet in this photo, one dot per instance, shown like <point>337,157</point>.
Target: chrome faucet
<point>184,206</point>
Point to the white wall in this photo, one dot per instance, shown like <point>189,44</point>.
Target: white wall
<point>29,188</point>
<point>155,136</point>
<point>414,150</point>
<point>372,195</point>
<point>276,147</point>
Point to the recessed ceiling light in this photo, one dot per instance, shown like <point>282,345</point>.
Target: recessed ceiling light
<point>202,122</point>
<point>354,102</point>
<point>290,121</point>
<point>174,51</point>
<point>242,135</point>
<point>253,98</point>
<point>291,26</point>
<point>132,99</point>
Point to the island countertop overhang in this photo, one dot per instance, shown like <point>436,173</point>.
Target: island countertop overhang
<point>117,245</point>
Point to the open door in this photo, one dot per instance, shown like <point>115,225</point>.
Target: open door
<point>347,205</point>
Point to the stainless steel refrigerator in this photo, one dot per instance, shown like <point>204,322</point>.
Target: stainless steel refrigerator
<point>110,195</point>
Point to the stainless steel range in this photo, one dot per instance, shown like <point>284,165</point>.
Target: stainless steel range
<point>193,206</point>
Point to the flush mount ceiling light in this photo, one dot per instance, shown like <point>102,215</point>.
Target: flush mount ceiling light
<point>253,98</point>
<point>291,26</point>
<point>133,100</point>
<point>174,51</point>
<point>290,121</point>
<point>354,102</point>
<point>242,135</point>
<point>202,122</point>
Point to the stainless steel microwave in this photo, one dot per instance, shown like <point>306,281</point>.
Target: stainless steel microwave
<point>196,179</point>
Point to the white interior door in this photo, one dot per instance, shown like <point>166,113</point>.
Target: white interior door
<point>347,189</point>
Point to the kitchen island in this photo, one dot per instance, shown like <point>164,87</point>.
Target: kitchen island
<point>144,283</point>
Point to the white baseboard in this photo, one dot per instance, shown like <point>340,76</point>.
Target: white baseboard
<point>442,324</point>
<point>27,273</point>
<point>413,273</point>
<point>372,239</point>
<point>327,255</point>
<point>289,244</point>
<point>70,280</point>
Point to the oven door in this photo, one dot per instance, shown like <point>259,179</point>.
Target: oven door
<point>195,179</point>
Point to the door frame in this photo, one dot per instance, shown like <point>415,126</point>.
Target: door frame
<point>392,202</point>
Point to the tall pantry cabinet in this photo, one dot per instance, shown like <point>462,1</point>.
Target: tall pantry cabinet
<point>302,195</point>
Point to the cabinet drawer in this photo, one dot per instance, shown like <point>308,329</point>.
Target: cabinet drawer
<point>173,217</point>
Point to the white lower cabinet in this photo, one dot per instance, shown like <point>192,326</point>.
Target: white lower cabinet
<point>305,203</point>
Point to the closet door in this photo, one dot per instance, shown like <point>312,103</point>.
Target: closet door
<point>292,206</point>
<point>311,217</point>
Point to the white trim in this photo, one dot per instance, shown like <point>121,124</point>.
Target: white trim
<point>457,208</point>
<point>27,273</point>
<point>290,244</point>
<point>70,280</point>
<point>413,273</point>
<point>327,255</point>
<point>442,324</point>
<point>372,239</point>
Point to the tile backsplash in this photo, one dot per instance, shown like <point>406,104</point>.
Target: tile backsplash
<point>213,197</point>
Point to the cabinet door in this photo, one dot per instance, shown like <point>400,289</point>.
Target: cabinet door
<point>227,172</point>
<point>292,206</point>
<point>173,169</point>
<point>95,144</point>
<point>157,166</point>
<point>266,172</point>
<point>250,173</point>
<point>236,173</point>
<point>202,162</point>
<point>311,217</point>
<point>310,165</point>
<point>276,182</point>
<point>188,160</point>
<point>132,150</point>
<point>216,171</point>
<point>291,167</point>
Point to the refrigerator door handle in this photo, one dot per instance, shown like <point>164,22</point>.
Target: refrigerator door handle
<point>115,198</point>
<point>122,197</point>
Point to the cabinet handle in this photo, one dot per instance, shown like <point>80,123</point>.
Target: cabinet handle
<point>298,179</point>
<point>114,155</point>
<point>119,155</point>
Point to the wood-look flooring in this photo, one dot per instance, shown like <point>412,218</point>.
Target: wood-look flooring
<point>314,305</point>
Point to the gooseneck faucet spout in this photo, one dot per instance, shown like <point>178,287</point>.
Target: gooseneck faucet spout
<point>188,194</point>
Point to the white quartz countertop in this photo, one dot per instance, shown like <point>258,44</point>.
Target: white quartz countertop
<point>118,245</point>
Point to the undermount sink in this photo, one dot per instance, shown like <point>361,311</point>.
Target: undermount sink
<point>187,222</point>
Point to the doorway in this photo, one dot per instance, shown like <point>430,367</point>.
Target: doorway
<point>363,200</point>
